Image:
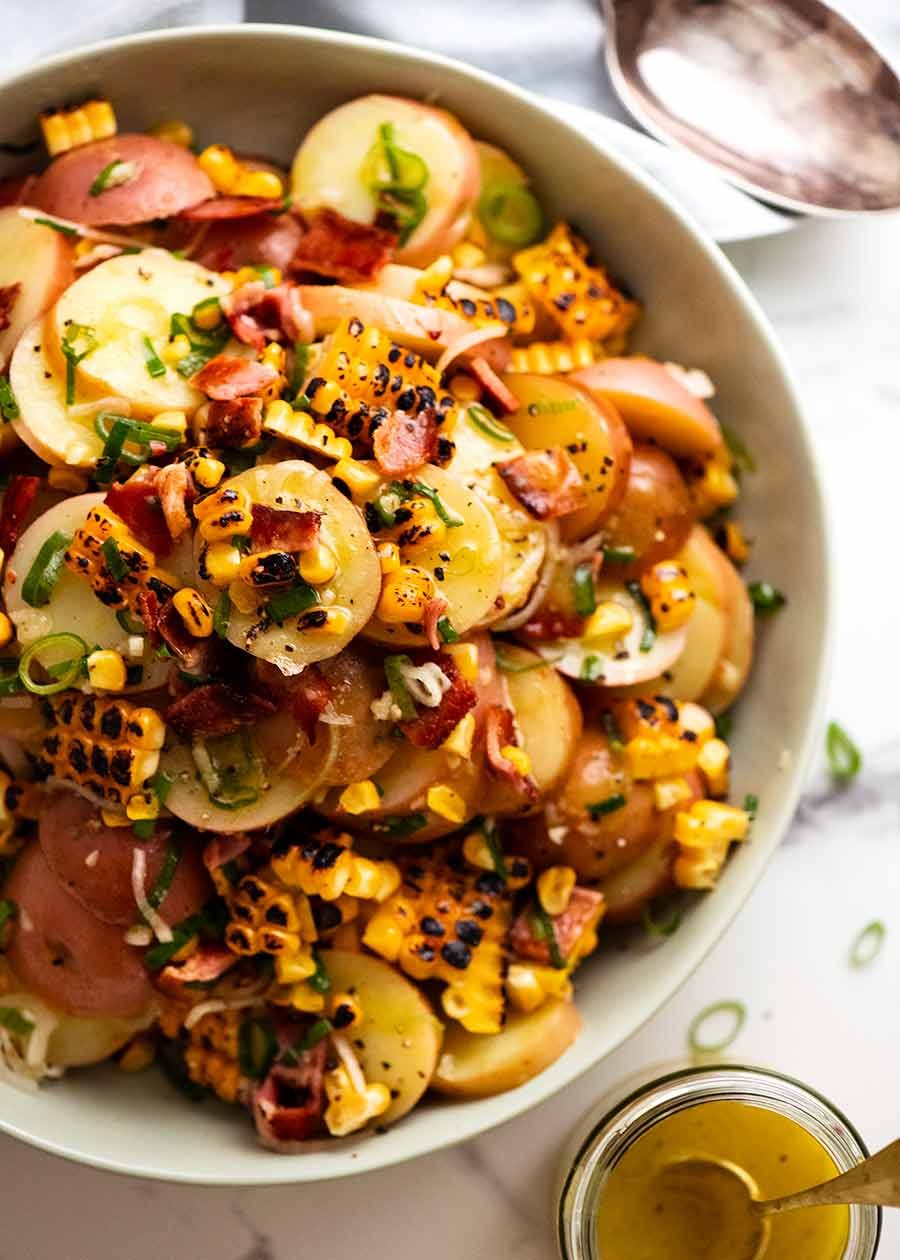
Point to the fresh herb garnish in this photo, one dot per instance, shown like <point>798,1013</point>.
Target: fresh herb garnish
<point>13,1019</point>
<point>301,363</point>
<point>446,631</point>
<point>320,1029</point>
<point>543,929</point>
<point>868,944</point>
<point>208,925</point>
<point>393,672</point>
<point>45,570</point>
<point>406,490</point>
<point>116,431</point>
<point>492,840</point>
<point>113,176</point>
<point>482,419</point>
<point>155,365</point>
<point>751,804</point>
<point>79,341</point>
<point>738,1013</point>
<point>222,615</point>
<point>613,732</point>
<point>740,452</point>
<point>64,672</point>
<point>661,927</point>
<point>163,883</point>
<point>584,591</point>
<point>400,825</point>
<point>844,757</point>
<point>257,1047</point>
<point>591,668</point>
<point>8,911</point>
<point>290,603</point>
<point>9,408</point>
<point>766,598</point>
<point>609,805</point>
<point>63,228</point>
<point>619,555</point>
<point>162,784</point>
<point>128,623</point>
<point>319,980</point>
<point>724,725</point>
<point>396,178</point>
<point>510,213</point>
<point>648,638</point>
<point>113,559</point>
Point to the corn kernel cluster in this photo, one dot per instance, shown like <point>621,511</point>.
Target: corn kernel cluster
<point>85,556</point>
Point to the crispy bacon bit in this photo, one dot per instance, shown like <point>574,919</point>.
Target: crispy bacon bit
<point>402,443</point>
<point>227,377</point>
<point>216,709</point>
<point>232,208</point>
<point>207,963</point>
<point>176,493</point>
<point>582,911</point>
<point>286,530</point>
<point>289,1104</point>
<point>257,314</point>
<point>548,623</point>
<point>500,731</point>
<point>225,848</point>
<point>137,503</point>
<point>17,502</point>
<point>491,382</point>
<point>346,251</point>
<point>434,610</point>
<point>148,608</point>
<point>235,423</point>
<point>9,294</point>
<point>432,726</point>
<point>546,482</point>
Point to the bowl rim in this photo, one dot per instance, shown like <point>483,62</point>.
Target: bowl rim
<point>515,1102</point>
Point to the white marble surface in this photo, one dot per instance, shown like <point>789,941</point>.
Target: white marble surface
<point>833,293</point>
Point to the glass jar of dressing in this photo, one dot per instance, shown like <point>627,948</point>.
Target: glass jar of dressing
<point>779,1133</point>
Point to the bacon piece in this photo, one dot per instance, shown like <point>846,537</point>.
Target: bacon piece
<point>257,314</point>
<point>223,849</point>
<point>432,726</point>
<point>499,729</point>
<point>232,208</point>
<point>235,423</point>
<point>403,443</point>
<point>306,695</point>
<point>434,610</point>
<point>346,251</point>
<point>138,504</point>
<point>207,963</point>
<point>491,382</point>
<point>9,295</point>
<point>17,502</point>
<point>548,623</point>
<point>546,482</point>
<point>227,377</point>
<point>148,608</point>
<point>176,492</point>
<point>584,909</point>
<point>289,1104</point>
<point>16,189</point>
<point>286,530</point>
<point>216,709</point>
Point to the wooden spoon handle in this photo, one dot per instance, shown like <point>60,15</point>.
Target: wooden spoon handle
<point>876,1180</point>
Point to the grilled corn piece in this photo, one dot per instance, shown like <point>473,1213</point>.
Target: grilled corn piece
<point>65,129</point>
<point>211,1054</point>
<point>329,869</point>
<point>99,551</point>
<point>552,357</point>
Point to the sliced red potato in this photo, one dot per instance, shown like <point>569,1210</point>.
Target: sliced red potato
<point>262,238</point>
<point>469,555</point>
<point>399,1039</point>
<point>45,423</point>
<point>63,954</point>
<point>35,267</point>
<point>629,890</point>
<point>294,485</point>
<point>655,406</point>
<point>733,666</point>
<point>474,1066</point>
<point>155,180</point>
<point>555,412</point>
<point>332,168</point>
<point>127,300</point>
<point>654,515</point>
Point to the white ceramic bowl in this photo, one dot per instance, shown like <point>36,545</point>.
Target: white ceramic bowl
<point>259,88</point>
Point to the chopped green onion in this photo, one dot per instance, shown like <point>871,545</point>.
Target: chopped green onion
<point>113,176</point>
<point>661,927</point>
<point>155,365</point>
<point>543,929</point>
<point>113,558</point>
<point>115,431</point>
<point>13,1019</point>
<point>619,555</point>
<point>766,598</point>
<point>751,804</point>
<point>738,1013</point>
<point>162,784</point>
<point>591,668</point>
<point>320,1029</point>
<point>257,1047</point>
<point>400,825</point>
<point>10,682</point>
<point>207,304</point>
<point>510,213</point>
<point>406,491</point>
<point>482,419</point>
<point>613,732</point>
<point>222,615</point>
<point>740,452</point>
<point>301,363</point>
<point>648,638</point>
<point>157,893</point>
<point>45,570</point>
<point>599,809</point>
<point>8,911</point>
<point>508,666</point>
<point>868,944</point>
<point>724,725</point>
<point>9,408</point>
<point>243,543</point>
<point>208,924</point>
<point>292,602</point>
<point>446,631</point>
<point>584,590</point>
<point>396,178</point>
<point>243,796</point>
<point>57,227</point>
<point>385,515</point>
<point>76,337</point>
<point>266,274</point>
<point>844,757</point>
<point>319,980</point>
<point>489,831</point>
<point>393,672</point>
<point>128,623</point>
<point>71,663</point>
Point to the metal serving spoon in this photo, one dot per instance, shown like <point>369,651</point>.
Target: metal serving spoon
<point>725,1188</point>
<point>785,97</point>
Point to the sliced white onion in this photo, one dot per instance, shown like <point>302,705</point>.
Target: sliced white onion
<point>350,1062</point>
<point>425,683</point>
<point>161,929</point>
<point>121,406</point>
<point>486,276</point>
<point>539,591</point>
<point>468,341</point>
<point>100,253</point>
<point>331,717</point>
<point>196,1013</point>
<point>92,234</point>
<point>694,380</point>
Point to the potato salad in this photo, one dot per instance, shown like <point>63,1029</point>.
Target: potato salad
<point>371,618</point>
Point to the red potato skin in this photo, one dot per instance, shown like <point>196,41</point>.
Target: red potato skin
<point>654,515</point>
<point>264,238</point>
<point>62,954</point>
<point>70,828</point>
<point>168,182</point>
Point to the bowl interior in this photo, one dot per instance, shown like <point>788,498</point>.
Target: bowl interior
<point>258,89</point>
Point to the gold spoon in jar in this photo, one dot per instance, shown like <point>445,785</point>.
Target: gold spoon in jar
<point>726,1195</point>
<point>785,97</point>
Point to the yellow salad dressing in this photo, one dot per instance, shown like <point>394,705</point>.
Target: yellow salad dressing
<point>641,1217</point>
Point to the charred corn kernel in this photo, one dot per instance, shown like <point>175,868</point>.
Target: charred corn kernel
<point>361,364</point>
<point>268,568</point>
<point>329,621</point>
<point>371,881</point>
<point>608,620</point>
<point>318,565</point>
<point>405,595</point>
<point>211,1055</point>
<point>388,557</point>
<point>300,428</point>
<point>70,128</point>
<point>668,793</point>
<point>465,657</point>
<point>345,1011</point>
<point>521,306</point>
<point>67,479</point>
<point>220,165</point>
<point>176,131</point>
<point>461,738</point>
<point>85,557</point>
<point>6,630</point>
<point>347,1110</point>
<point>100,744</point>
<point>660,756</point>
<point>224,513</point>
<point>699,868</point>
<point>552,357</point>
<point>106,670</point>
<point>714,762</point>
<point>699,721</point>
<point>359,798</point>
<point>709,823</point>
<point>711,484</point>
<point>529,985</point>
<point>446,803</point>
<point>736,544</point>
<point>667,588</point>
<point>294,968</point>
<point>577,296</point>
<point>436,926</point>
<point>273,354</point>
<point>258,184</point>
<point>437,275</point>
<point>137,1055</point>
<point>362,480</point>
<point>208,472</point>
<point>176,349</point>
<point>465,388</point>
<point>477,851</point>
<point>465,254</point>
<point>194,611</point>
<point>171,421</point>
<point>554,888</point>
<point>422,527</point>
<point>143,806</point>
<point>328,868</point>
<point>518,756</point>
<point>112,819</point>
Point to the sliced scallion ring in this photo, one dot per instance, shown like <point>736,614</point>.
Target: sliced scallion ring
<point>393,672</point>
<point>544,930</point>
<point>737,1012</point>
<point>157,893</point>
<point>868,944</point>
<point>45,570</point>
<point>257,1047</point>
<point>584,592</point>
<point>155,365</point>
<point>79,341</point>
<point>510,214</point>
<point>648,638</point>
<point>482,419</point>
<point>844,758</point>
<point>69,651</point>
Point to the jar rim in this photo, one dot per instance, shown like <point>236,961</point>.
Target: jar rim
<point>609,1135</point>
